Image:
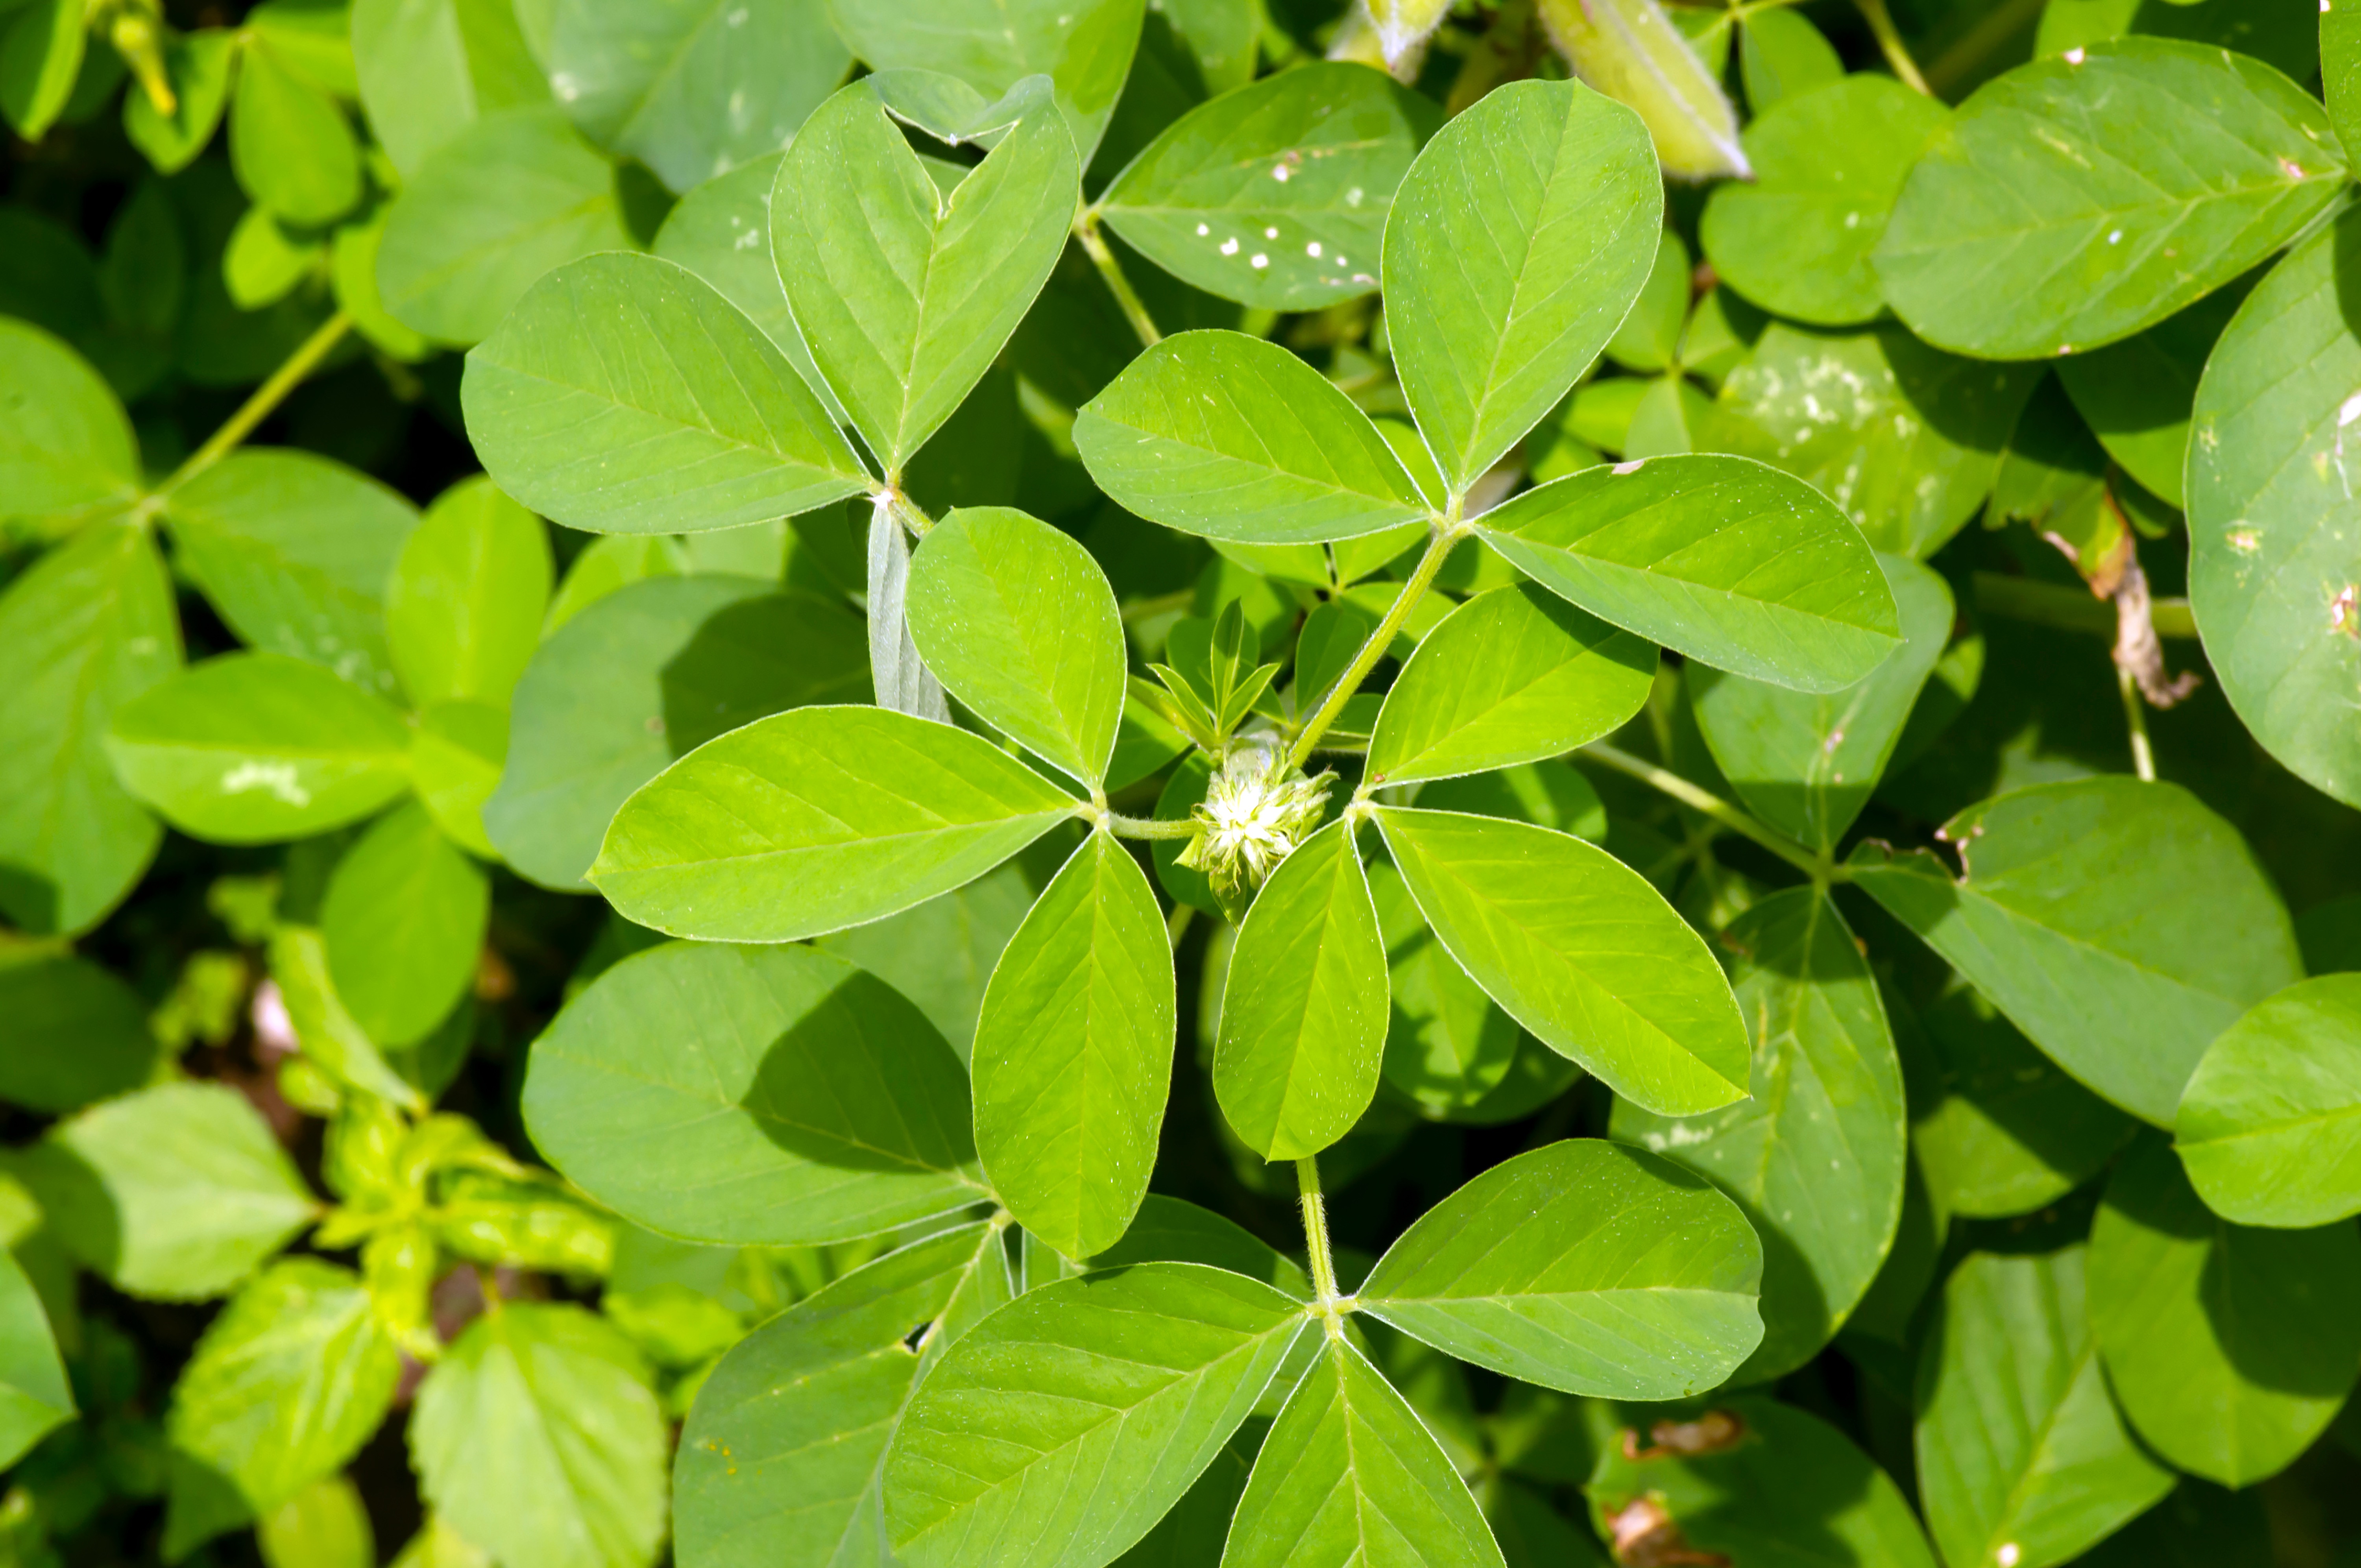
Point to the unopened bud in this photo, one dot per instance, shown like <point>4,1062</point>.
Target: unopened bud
<point>1631,50</point>
<point>1391,33</point>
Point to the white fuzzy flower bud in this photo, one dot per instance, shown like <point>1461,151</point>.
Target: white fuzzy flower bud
<point>1257,809</point>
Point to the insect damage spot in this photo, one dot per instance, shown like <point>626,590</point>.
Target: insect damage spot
<point>2341,617</point>
<point>1641,1534</point>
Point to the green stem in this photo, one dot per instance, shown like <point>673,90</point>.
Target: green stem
<point>266,397</point>
<point>1176,925</point>
<point>2071,609</point>
<point>1715,807</point>
<point>2135,718</point>
<point>1124,826</point>
<point>1086,229</point>
<point>1976,45</point>
<point>1438,546</point>
<point>1889,41</point>
<point>1315,1231</point>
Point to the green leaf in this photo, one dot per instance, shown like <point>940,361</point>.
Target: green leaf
<point>1806,763</point>
<point>292,145</point>
<point>1313,153</point>
<point>176,1192</point>
<point>2076,199</point>
<point>782,1461</point>
<point>1791,1489</point>
<point>41,58</point>
<point>692,88</point>
<point>903,293</point>
<point>1997,1129</point>
<point>1304,1006</point>
<point>2137,394</point>
<point>66,446</point>
<point>1827,166</point>
<point>77,1033</point>
<point>1579,949</point>
<point>198,65</point>
<point>2340,74</point>
<point>258,747</point>
<point>1073,1053</point>
<point>1066,1424</point>
<point>323,1526</point>
<point>2270,1126</point>
<point>403,919</point>
<point>294,551</point>
<point>1782,55</point>
<point>624,395</point>
<point>504,201</point>
<point>2272,573</point>
<point>1017,621</point>
<point>721,232</point>
<point>640,677</point>
<point>1167,1230</point>
<point>287,1383</point>
<point>940,953</point>
<point>429,68</point>
<point>35,1398</point>
<point>331,1040</point>
<point>1349,1474</point>
<point>1514,675</point>
<point>1520,238</point>
<point>2229,1348</point>
<point>1233,438</point>
<point>1084,47</point>
<point>1816,1158</point>
<point>84,631</point>
<point>752,1095</point>
<point>1905,439</point>
<point>1726,561</point>
<point>1448,1046</point>
<point>1582,1266</point>
<point>2018,1446</point>
<point>537,1434</point>
<point>463,611</point>
<point>816,819</point>
<point>2072,915</point>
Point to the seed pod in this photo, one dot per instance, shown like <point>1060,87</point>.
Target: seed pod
<point>1629,51</point>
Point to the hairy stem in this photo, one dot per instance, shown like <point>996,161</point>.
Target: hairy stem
<point>1086,229</point>
<point>1315,1231</point>
<point>1124,826</point>
<point>1422,578</point>
<point>1889,41</point>
<point>266,397</point>
<point>1715,807</point>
